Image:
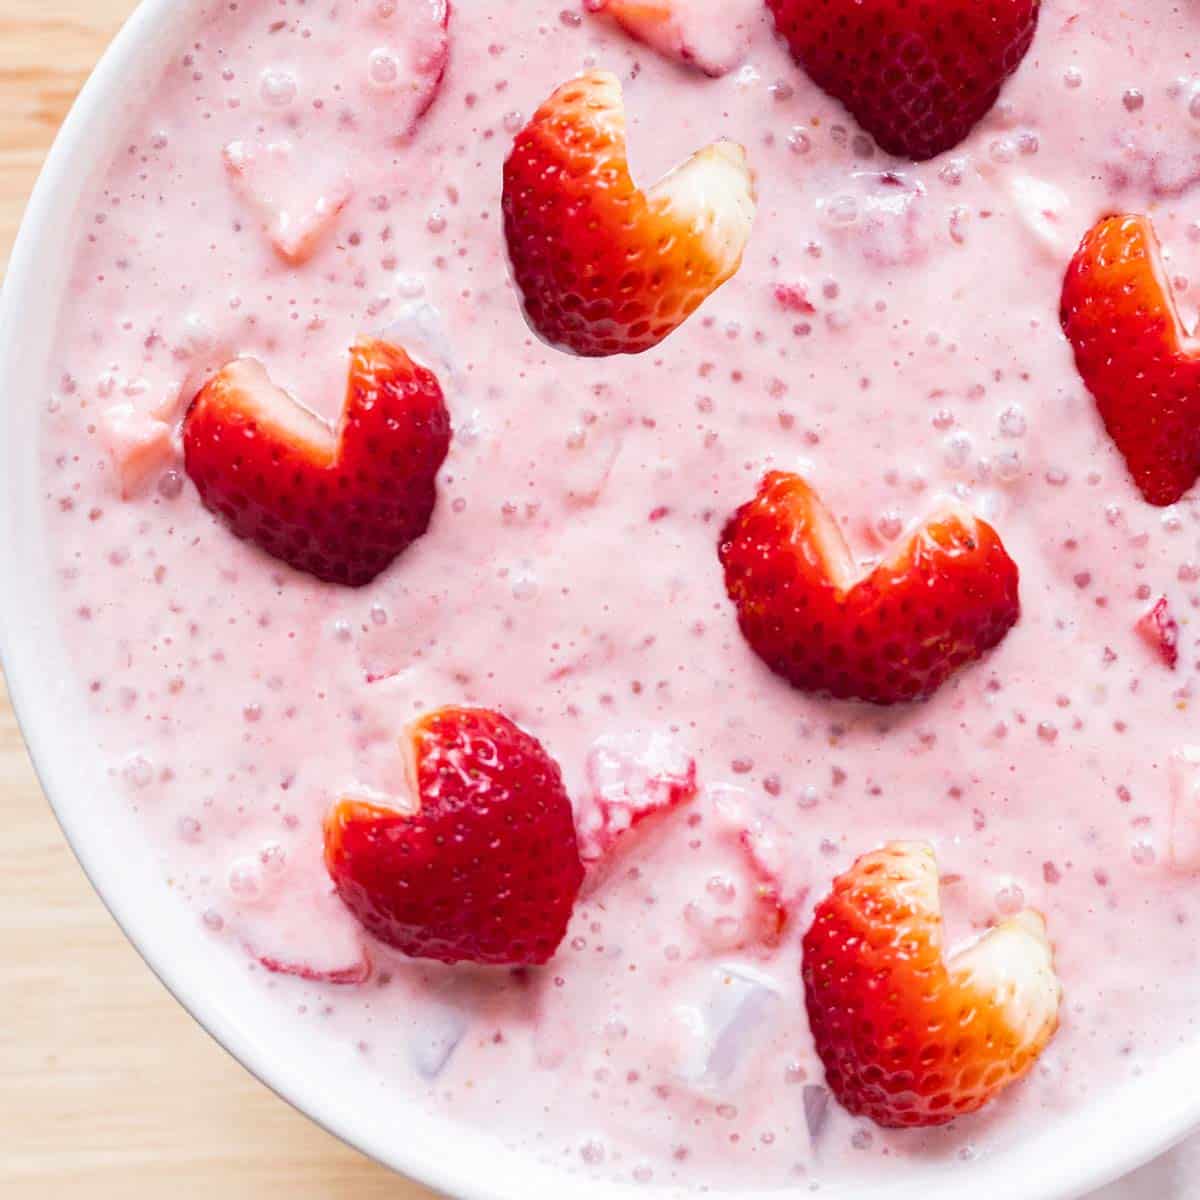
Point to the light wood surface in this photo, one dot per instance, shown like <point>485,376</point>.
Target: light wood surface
<point>107,1087</point>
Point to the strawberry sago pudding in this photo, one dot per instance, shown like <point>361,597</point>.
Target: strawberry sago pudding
<point>635,561</point>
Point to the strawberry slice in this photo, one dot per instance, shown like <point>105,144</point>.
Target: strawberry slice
<point>603,267</point>
<point>339,504</point>
<point>482,865</point>
<point>694,32</point>
<point>947,595</point>
<point>1120,316</point>
<point>916,77</point>
<point>908,1037</point>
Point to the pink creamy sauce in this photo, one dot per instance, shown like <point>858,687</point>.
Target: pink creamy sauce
<point>892,334</point>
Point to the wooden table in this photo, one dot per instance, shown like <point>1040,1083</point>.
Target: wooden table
<point>107,1087</point>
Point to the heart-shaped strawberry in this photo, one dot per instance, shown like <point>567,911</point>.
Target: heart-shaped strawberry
<point>917,75</point>
<point>908,1036</point>
<point>479,862</point>
<point>1142,368</point>
<point>339,504</point>
<point>945,597</point>
<point>602,266</point>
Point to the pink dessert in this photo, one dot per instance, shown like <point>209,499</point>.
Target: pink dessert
<point>659,551</point>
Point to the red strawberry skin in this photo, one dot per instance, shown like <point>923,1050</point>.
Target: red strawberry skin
<point>339,504</point>
<point>908,1037</point>
<point>945,598</point>
<point>1120,316</point>
<point>917,77</point>
<point>485,868</point>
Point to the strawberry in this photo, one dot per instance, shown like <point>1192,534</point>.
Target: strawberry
<point>603,267</point>
<point>906,1036</point>
<point>338,504</point>
<point>1120,316</point>
<point>633,780</point>
<point>685,30</point>
<point>1160,631</point>
<point>916,77</point>
<point>482,865</point>
<point>946,596</point>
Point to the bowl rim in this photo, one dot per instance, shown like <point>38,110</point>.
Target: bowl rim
<point>456,1176</point>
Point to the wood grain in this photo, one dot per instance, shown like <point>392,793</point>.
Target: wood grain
<point>107,1087</point>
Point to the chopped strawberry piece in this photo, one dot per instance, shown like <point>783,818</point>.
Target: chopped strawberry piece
<point>481,865</point>
<point>945,597</point>
<point>297,212</point>
<point>916,77</point>
<point>631,779</point>
<point>291,921</point>
<point>601,266</point>
<point>1120,316</point>
<point>712,38</point>
<point>907,1036</point>
<point>1160,631</point>
<point>761,912</point>
<point>339,505</point>
<point>138,444</point>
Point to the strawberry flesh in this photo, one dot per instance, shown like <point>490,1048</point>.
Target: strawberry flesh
<point>916,77</point>
<point>602,267</point>
<point>1160,631</point>
<point>482,867</point>
<point>907,1037</point>
<point>944,599</point>
<point>341,504</point>
<point>1120,316</point>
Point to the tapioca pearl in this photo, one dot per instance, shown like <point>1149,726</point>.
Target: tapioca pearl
<point>1012,422</point>
<point>956,450</point>
<point>1008,466</point>
<point>889,525</point>
<point>245,879</point>
<point>1142,852</point>
<point>1002,150</point>
<point>213,920</point>
<point>273,858</point>
<point>137,771</point>
<point>799,140</point>
<point>189,830</point>
<point>383,69</point>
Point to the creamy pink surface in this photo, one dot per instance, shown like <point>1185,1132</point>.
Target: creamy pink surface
<point>276,198</point>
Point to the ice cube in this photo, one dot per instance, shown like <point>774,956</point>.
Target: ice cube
<point>726,1030</point>
<point>432,1045</point>
<point>816,1109</point>
<point>420,329</point>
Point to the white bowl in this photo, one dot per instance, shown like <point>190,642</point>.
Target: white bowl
<point>1112,1135</point>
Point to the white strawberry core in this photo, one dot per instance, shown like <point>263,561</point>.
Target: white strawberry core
<point>246,381</point>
